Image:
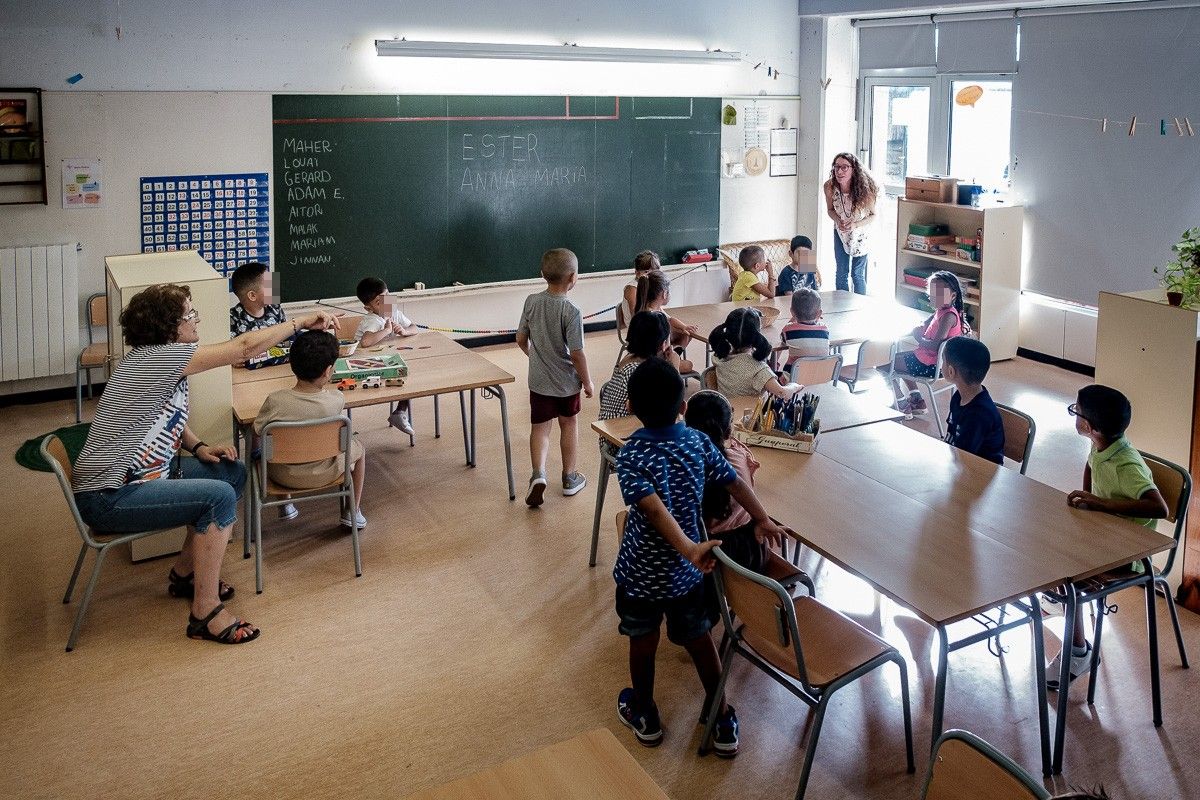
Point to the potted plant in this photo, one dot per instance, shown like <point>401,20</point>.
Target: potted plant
<point>1181,276</point>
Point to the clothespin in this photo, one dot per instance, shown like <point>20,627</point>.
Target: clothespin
<point>768,72</point>
<point>1188,122</point>
<point>1104,125</point>
<point>759,64</point>
<point>1133,124</point>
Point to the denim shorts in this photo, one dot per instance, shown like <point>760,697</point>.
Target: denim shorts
<point>689,616</point>
<point>203,494</point>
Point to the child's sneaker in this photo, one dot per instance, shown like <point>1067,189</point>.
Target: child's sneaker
<point>537,488</point>
<point>647,726</point>
<point>288,511</point>
<point>725,740</point>
<point>358,517</point>
<point>573,484</point>
<point>917,405</point>
<point>399,420</point>
<point>1081,664</point>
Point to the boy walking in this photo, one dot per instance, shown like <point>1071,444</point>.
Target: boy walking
<point>974,423</point>
<point>1116,480</point>
<point>551,334</point>
<point>663,469</point>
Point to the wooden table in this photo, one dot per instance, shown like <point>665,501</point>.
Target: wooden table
<point>592,766</point>
<point>426,344</point>
<point>460,372</point>
<point>839,409</point>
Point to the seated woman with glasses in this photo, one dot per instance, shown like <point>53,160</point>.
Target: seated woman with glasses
<point>129,476</point>
<point>741,353</point>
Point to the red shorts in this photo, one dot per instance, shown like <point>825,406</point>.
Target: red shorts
<point>543,408</point>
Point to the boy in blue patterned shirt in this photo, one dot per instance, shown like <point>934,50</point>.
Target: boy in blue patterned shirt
<point>662,470</point>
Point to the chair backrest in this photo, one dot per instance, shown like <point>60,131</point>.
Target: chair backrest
<point>965,767</point>
<point>708,378</point>
<point>1019,430</point>
<point>813,370</point>
<point>55,453</point>
<point>874,352</point>
<point>306,440</point>
<point>762,605</point>
<point>1175,485</point>
<point>97,313</point>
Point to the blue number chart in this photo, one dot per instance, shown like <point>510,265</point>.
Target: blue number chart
<point>222,216</point>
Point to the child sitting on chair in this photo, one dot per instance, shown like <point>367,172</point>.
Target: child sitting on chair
<point>947,321</point>
<point>801,273</point>
<point>806,335</point>
<point>741,353</point>
<point>749,285</point>
<point>663,470</point>
<point>643,262</point>
<point>312,357</point>
<point>382,320</point>
<point>653,294</point>
<point>251,283</point>
<point>974,423</point>
<point>1116,480</point>
<point>649,337</point>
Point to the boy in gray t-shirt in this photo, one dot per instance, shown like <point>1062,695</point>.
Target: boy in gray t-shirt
<point>551,334</point>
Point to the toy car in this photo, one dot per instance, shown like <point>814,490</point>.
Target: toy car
<point>393,381</point>
<point>372,382</point>
<point>346,384</point>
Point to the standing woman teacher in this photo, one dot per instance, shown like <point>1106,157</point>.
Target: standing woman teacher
<point>129,477</point>
<point>850,195</point>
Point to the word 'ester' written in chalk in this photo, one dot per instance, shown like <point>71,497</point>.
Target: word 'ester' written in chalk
<point>503,147</point>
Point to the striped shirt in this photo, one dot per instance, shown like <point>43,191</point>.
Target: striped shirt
<point>139,421</point>
<point>805,339</point>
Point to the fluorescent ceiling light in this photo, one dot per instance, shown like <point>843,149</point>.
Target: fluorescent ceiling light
<point>537,52</point>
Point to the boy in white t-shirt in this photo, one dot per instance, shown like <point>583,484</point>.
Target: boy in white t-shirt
<point>382,320</point>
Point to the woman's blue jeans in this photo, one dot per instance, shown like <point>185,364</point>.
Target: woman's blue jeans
<point>203,495</point>
<point>849,268</point>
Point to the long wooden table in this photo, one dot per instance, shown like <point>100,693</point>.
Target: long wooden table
<point>839,409</point>
<point>591,766</point>
<point>950,536</point>
<point>460,372</point>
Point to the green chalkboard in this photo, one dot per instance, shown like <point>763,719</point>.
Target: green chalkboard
<point>440,189</point>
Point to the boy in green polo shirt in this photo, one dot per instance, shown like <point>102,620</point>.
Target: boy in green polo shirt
<point>1115,480</point>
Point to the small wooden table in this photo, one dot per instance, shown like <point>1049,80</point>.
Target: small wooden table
<point>592,766</point>
<point>839,409</point>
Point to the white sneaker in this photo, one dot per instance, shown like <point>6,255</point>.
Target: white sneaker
<point>359,518</point>
<point>288,511</point>
<point>399,420</point>
<point>1081,664</point>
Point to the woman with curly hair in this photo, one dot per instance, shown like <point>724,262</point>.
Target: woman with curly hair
<point>129,476</point>
<point>850,195</point>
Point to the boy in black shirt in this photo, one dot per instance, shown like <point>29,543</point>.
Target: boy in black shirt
<point>974,423</point>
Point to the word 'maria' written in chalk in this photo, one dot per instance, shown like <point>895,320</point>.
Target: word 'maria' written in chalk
<point>496,180</point>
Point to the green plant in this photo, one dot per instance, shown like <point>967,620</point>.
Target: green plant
<point>1182,273</point>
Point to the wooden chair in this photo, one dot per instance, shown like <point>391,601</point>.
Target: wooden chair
<point>807,647</point>
<point>300,443</point>
<point>871,354</point>
<point>95,354</point>
<point>708,378</point>
<point>55,453</point>
<point>622,324</point>
<point>965,767</point>
<point>814,370</point>
<point>1175,485</point>
<point>1019,430</point>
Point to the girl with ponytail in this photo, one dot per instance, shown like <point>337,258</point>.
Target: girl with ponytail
<point>947,321</point>
<point>741,353</point>
<point>653,294</point>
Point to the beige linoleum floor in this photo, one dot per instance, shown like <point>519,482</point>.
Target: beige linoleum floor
<point>477,633</point>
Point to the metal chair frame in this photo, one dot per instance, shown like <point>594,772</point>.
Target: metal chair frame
<point>1004,764</point>
<point>1027,451</point>
<point>80,369</point>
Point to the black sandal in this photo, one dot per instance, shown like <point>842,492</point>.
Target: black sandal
<point>185,586</point>
<point>239,632</point>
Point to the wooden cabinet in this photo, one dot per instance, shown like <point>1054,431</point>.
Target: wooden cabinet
<point>1150,350</point>
<point>22,147</point>
<point>210,392</point>
<point>992,285</point>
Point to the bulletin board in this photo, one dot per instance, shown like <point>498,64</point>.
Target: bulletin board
<point>224,217</point>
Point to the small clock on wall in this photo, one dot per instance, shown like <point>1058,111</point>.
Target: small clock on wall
<point>756,161</point>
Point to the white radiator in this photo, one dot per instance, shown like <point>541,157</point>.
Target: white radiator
<point>39,311</point>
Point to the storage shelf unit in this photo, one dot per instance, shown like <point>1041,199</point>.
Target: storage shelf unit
<point>993,299</point>
<point>23,177</point>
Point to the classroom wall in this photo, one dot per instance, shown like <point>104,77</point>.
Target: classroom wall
<point>144,107</point>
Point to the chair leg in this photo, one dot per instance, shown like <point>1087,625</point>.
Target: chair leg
<point>1183,659</point>
<point>710,723</point>
<point>908,734</point>
<point>87,598</point>
<point>601,489</point>
<point>75,575</point>
<point>78,396</point>
<point>258,548</point>
<point>354,533</point>
<point>1097,632</point>
<point>937,416</point>
<point>437,418</point>
<point>811,749</point>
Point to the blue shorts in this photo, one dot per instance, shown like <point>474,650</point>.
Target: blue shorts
<point>689,616</point>
<point>914,366</point>
<point>203,495</point>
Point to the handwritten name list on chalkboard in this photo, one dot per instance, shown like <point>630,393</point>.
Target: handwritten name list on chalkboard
<point>474,189</point>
